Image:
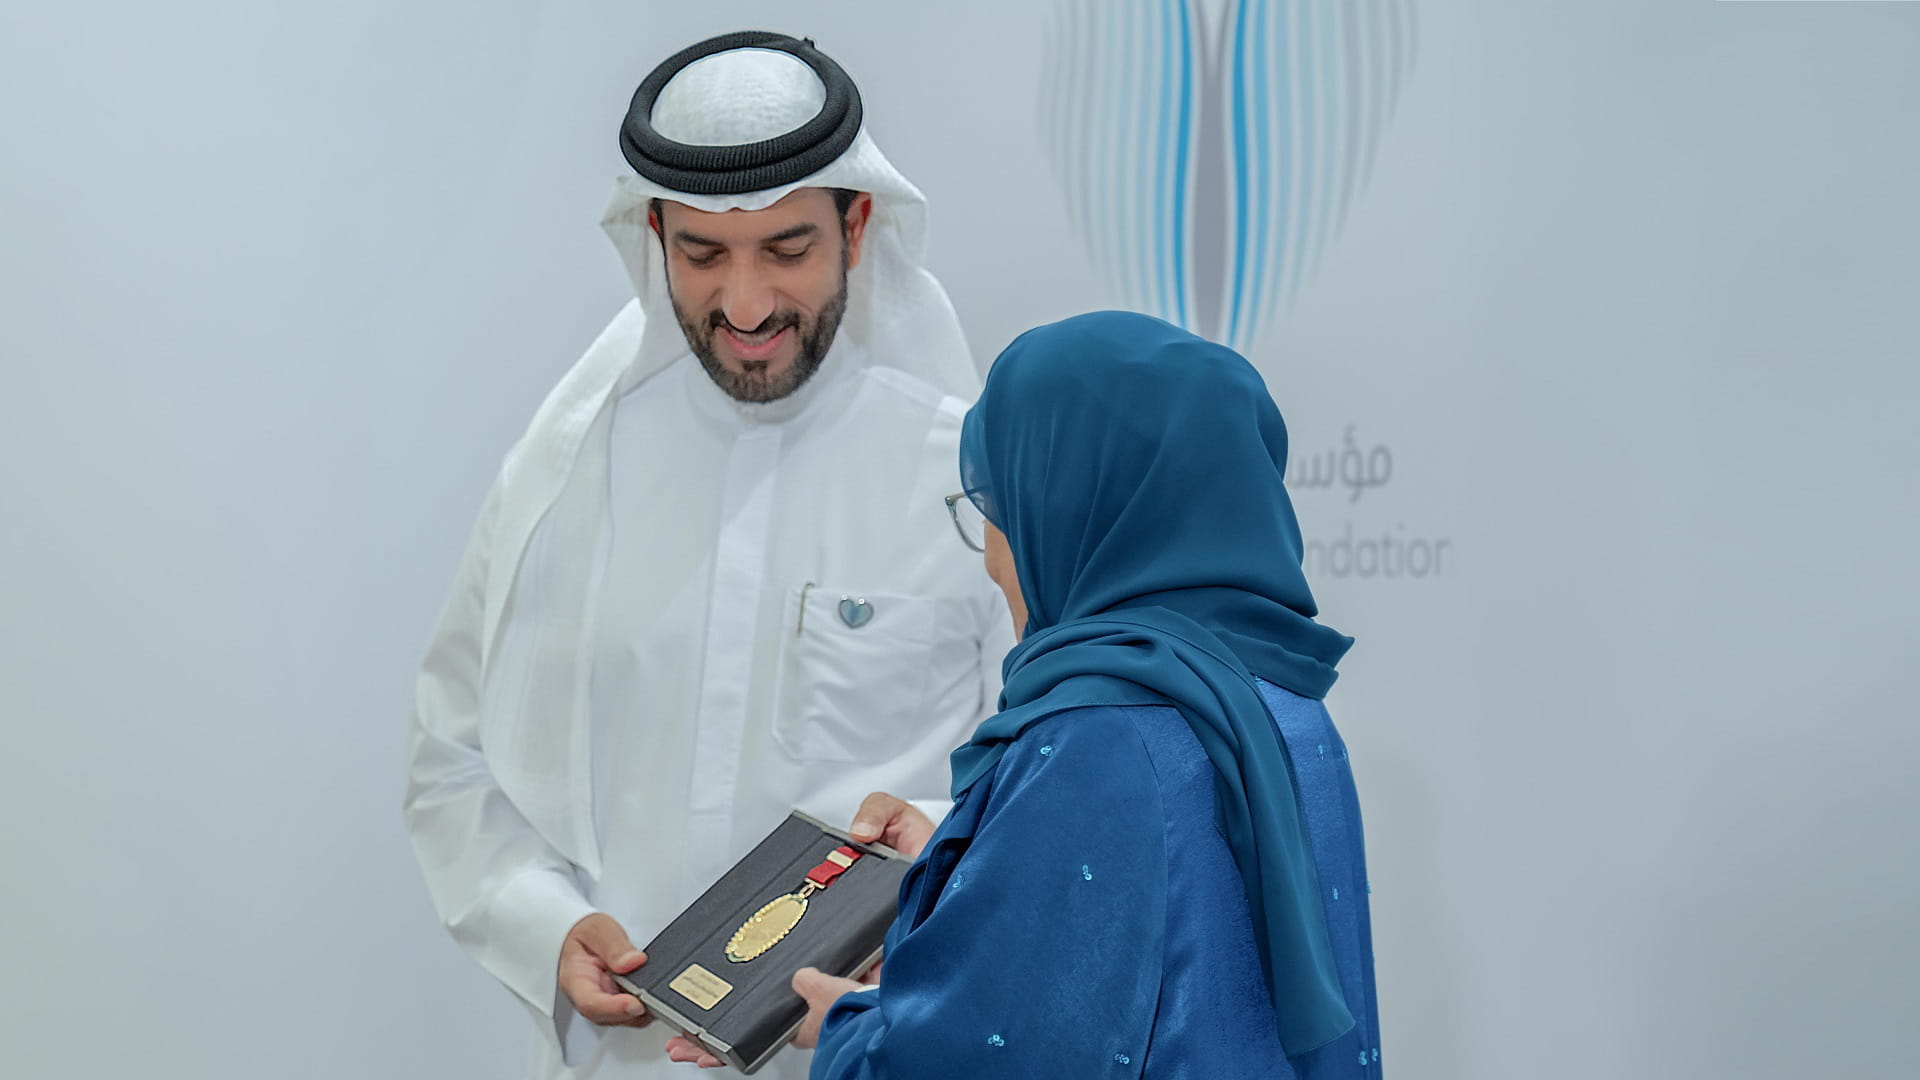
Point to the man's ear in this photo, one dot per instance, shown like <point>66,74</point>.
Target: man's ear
<point>653,221</point>
<point>855,225</point>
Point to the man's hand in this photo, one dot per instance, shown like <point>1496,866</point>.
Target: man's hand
<point>820,991</point>
<point>595,950</point>
<point>681,1048</point>
<point>894,822</point>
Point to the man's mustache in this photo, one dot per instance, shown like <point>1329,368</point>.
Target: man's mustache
<point>779,320</point>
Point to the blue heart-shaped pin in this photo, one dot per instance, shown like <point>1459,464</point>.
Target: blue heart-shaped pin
<point>855,613</point>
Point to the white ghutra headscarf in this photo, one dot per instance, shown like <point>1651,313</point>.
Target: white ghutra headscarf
<point>896,311</point>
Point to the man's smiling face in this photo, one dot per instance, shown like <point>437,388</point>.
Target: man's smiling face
<point>760,293</point>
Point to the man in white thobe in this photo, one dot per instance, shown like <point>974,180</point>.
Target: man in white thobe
<point>716,579</point>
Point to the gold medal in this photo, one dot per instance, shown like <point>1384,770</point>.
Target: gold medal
<point>764,929</point>
<point>776,919</point>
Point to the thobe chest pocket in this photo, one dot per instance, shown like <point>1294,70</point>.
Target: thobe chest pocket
<point>860,673</point>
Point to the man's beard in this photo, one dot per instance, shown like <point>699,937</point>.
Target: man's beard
<point>759,387</point>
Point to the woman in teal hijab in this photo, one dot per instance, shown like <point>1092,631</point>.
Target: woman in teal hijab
<point>1154,863</point>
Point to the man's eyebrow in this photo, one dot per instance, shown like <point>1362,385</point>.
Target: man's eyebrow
<point>682,236</point>
<point>795,233</point>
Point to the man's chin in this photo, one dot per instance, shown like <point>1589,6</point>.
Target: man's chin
<point>758,371</point>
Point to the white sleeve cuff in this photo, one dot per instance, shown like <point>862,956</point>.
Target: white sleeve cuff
<point>523,927</point>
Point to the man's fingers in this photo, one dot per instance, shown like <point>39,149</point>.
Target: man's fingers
<point>877,811</point>
<point>601,1007</point>
<point>682,1049</point>
<point>604,938</point>
<point>613,1010</point>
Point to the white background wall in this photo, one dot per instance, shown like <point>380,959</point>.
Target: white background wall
<point>1630,298</point>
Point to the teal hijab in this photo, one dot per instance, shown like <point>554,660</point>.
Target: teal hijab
<point>1136,472</point>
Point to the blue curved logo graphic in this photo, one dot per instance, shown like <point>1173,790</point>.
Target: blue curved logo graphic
<point>1210,150</point>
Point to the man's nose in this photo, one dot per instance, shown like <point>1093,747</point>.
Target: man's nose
<point>747,298</point>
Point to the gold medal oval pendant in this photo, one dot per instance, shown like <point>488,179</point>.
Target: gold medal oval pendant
<point>764,928</point>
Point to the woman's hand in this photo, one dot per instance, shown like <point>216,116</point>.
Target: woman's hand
<point>893,822</point>
<point>820,991</point>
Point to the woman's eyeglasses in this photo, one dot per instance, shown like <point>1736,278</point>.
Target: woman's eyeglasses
<point>968,521</point>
